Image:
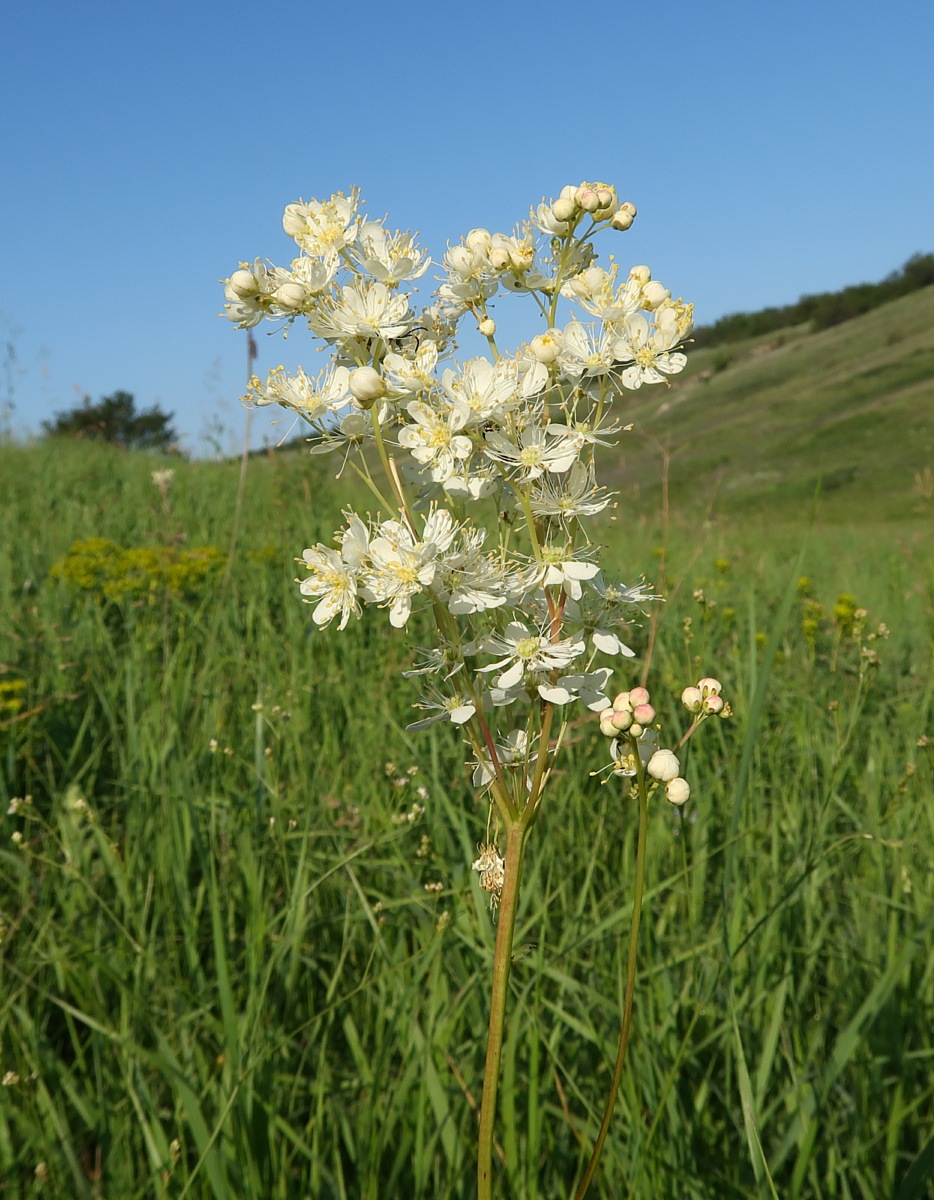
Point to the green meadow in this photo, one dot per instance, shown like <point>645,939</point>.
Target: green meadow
<point>243,952</point>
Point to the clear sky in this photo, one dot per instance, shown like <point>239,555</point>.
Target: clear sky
<point>772,149</point>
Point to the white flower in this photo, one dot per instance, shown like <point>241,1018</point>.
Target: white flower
<point>458,709</point>
<point>647,353</point>
<point>366,309</point>
<point>568,573</point>
<point>434,439</point>
<point>472,581</point>
<point>388,257</point>
<point>409,375</point>
<point>584,357</point>
<point>488,391</point>
<point>313,398</point>
<point>323,227</point>
<point>401,566</point>
<point>333,575</point>
<point>533,451</point>
<point>513,751</point>
<point>569,496</point>
<point>530,658</point>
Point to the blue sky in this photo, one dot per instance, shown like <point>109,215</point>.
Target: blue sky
<point>771,149</point>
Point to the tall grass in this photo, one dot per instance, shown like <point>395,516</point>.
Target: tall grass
<point>227,970</point>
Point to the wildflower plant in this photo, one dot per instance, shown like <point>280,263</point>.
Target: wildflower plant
<point>484,473</point>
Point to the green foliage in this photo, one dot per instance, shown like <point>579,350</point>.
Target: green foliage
<point>115,419</point>
<point>227,969</point>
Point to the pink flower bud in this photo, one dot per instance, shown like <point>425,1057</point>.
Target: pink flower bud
<point>713,704</point>
<point>644,714</point>
<point>621,719</point>
<point>607,728</point>
<point>678,791</point>
<point>639,695</point>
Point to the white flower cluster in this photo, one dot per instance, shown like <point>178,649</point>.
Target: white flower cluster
<point>488,464</point>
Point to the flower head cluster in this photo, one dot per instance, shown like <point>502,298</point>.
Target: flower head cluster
<point>488,464</point>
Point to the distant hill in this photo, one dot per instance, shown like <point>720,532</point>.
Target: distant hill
<point>824,309</point>
<point>759,425</point>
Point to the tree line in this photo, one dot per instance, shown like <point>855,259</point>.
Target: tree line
<point>823,309</point>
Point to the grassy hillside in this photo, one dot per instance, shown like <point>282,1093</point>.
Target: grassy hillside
<point>759,427</point>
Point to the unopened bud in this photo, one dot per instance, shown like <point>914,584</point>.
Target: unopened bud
<point>290,295</point>
<point>366,386</point>
<point>691,698</point>
<point>607,728</point>
<point>641,274</point>
<point>621,720</point>
<point>243,282</point>
<point>587,198</point>
<point>654,294</point>
<point>713,704</point>
<point>563,209</point>
<point>622,701</point>
<point>639,695</point>
<point>294,219</point>
<point>546,347</point>
<point>624,216</point>
<point>487,327</point>
<point>478,239</point>
<point>644,714</point>
<point>499,258</point>
<point>678,791</point>
<point>608,199</point>
<point>710,687</point>
<point>663,765</point>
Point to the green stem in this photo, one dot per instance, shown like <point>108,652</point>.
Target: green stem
<point>630,987</point>
<point>515,849</point>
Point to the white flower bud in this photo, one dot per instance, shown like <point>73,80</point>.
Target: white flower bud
<point>563,209</point>
<point>678,791</point>
<point>621,720</point>
<point>624,216</point>
<point>654,294</point>
<point>709,687</point>
<point>641,274</point>
<point>290,295</point>
<point>366,386</point>
<point>243,282</point>
<point>547,346</point>
<point>487,327</point>
<point>622,701</point>
<point>713,704</point>
<point>294,219</point>
<point>499,258</point>
<point>691,698</point>
<point>663,765</point>
<point>478,239</point>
